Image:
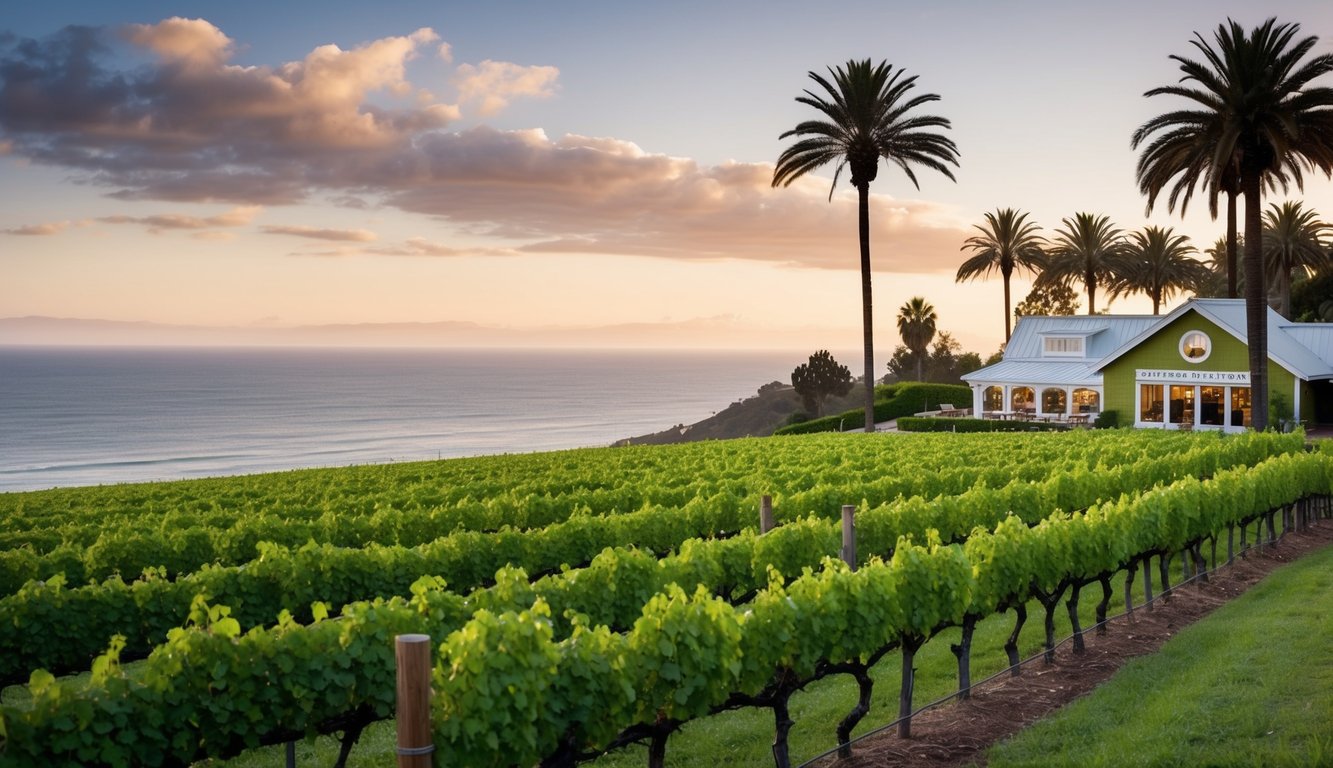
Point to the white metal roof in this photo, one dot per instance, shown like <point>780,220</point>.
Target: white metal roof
<point>1037,373</point>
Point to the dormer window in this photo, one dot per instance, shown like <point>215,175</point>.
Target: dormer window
<point>1062,346</point>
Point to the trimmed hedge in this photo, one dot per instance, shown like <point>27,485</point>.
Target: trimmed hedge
<point>891,402</point>
<point>927,424</point>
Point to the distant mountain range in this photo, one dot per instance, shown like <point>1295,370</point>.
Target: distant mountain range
<point>701,333</point>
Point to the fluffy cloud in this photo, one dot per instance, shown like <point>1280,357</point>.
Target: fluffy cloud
<point>315,233</point>
<point>493,84</point>
<point>194,127</point>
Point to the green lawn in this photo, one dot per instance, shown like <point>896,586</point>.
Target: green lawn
<point>1252,684</point>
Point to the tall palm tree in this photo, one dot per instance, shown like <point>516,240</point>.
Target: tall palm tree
<point>867,113</point>
<point>1186,150</point>
<point>1007,242</point>
<point>1271,121</point>
<point>1157,261</point>
<point>1085,250</point>
<point>1294,239</point>
<point>916,324</point>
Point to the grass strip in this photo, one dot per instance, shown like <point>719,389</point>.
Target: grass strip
<point>1251,684</point>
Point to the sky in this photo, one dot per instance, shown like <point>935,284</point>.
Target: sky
<point>555,173</point>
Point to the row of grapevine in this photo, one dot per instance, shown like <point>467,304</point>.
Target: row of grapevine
<point>88,537</point>
<point>331,675</point>
<point>47,626</point>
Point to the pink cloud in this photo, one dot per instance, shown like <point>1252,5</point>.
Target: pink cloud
<point>315,233</point>
<point>493,84</point>
<point>194,127</point>
<point>236,217</point>
<point>45,229</point>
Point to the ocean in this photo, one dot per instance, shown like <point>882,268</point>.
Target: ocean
<point>89,416</point>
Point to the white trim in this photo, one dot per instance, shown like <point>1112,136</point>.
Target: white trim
<point>1207,346</point>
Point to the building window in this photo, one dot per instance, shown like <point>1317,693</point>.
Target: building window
<point>1022,398</point>
<point>1063,346</point>
<point>1210,405</point>
<point>1195,346</point>
<point>993,399</point>
<point>1087,401</point>
<point>1052,400</point>
<point>1150,403</point>
<point>1182,405</point>
<point>1240,406</point>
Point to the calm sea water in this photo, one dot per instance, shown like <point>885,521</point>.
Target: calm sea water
<point>92,416</point>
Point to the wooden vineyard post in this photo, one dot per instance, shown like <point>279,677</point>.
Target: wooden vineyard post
<point>414,733</point>
<point>765,513</point>
<point>849,536</point>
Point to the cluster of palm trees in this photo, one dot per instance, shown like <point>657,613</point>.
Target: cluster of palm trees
<point>1256,119</point>
<point>1091,252</point>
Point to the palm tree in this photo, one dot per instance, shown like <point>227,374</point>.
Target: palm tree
<point>1085,250</point>
<point>866,113</point>
<point>916,324</point>
<point>1214,283</point>
<point>1186,150</point>
<point>1006,242</point>
<point>1293,240</point>
<point>1271,122</point>
<point>1157,262</point>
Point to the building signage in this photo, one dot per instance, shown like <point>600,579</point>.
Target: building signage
<point>1160,376</point>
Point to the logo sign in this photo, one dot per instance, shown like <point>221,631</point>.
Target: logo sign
<point>1161,376</point>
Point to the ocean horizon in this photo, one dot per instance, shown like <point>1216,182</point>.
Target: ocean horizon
<point>74,416</point>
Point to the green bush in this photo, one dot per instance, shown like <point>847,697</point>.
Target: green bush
<point>1107,420</point>
<point>892,401</point>
<point>928,424</point>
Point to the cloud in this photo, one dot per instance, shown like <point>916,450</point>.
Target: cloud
<point>236,217</point>
<point>418,246</point>
<point>191,126</point>
<point>314,233</point>
<point>45,229</point>
<point>579,194</point>
<point>493,84</point>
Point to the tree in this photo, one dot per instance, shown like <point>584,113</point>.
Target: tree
<point>945,364</point>
<point>818,379</point>
<point>1049,299</point>
<point>867,113</point>
<point>1085,250</point>
<point>1007,242</point>
<point>1293,241</point>
<point>916,325</point>
<point>1157,262</point>
<point>1312,299</point>
<point>1268,118</point>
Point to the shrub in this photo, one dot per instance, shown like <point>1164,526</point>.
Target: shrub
<point>927,424</point>
<point>1106,420</point>
<point>903,399</point>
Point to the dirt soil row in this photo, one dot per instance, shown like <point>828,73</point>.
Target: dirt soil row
<point>959,732</point>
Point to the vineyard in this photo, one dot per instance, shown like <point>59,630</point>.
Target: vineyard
<point>582,601</point>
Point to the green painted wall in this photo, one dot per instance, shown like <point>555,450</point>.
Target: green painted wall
<point>1162,350</point>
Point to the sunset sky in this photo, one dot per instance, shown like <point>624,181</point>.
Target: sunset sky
<point>539,166</point>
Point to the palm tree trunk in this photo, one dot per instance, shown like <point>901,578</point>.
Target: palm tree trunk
<point>1232,275</point>
<point>1008,313</point>
<point>867,317</point>
<point>1157,301</point>
<point>1256,305</point>
<point>1091,282</point>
